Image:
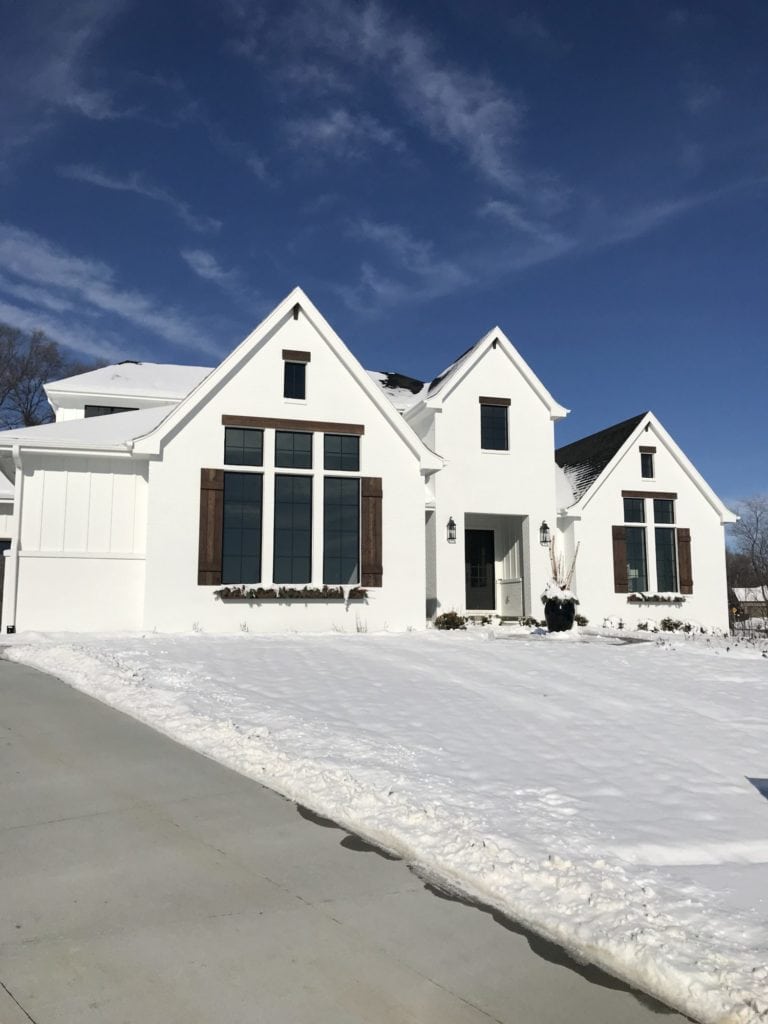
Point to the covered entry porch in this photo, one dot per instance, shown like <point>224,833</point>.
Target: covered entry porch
<point>495,556</point>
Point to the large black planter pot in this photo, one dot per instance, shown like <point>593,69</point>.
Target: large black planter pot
<point>559,614</point>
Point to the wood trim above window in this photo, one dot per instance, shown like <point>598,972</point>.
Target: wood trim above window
<point>485,400</point>
<point>319,426</point>
<point>292,355</point>
<point>648,449</point>
<point>669,495</point>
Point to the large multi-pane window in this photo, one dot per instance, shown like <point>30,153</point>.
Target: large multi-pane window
<point>341,530</point>
<point>293,449</point>
<point>637,565</point>
<point>342,451</point>
<point>243,447</point>
<point>666,548</point>
<point>293,529</point>
<point>634,510</point>
<point>241,541</point>
<point>295,380</point>
<point>493,427</point>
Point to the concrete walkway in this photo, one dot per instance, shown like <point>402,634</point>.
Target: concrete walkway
<point>141,883</point>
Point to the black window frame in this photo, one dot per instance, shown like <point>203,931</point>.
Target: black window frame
<point>636,545</point>
<point>235,453</point>
<point>286,455</point>
<point>90,411</point>
<point>288,539</point>
<point>647,467</point>
<point>341,530</point>
<point>632,506</point>
<point>667,569</point>
<point>348,452</point>
<point>295,380</point>
<point>492,437</point>
<point>232,541</point>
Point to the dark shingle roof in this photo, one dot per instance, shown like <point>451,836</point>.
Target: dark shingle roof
<point>584,460</point>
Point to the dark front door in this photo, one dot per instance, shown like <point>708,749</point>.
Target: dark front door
<point>480,565</point>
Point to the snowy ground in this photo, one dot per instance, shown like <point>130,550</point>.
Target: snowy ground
<point>596,791</point>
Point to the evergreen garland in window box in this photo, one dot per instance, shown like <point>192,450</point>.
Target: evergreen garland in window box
<point>641,598</point>
<point>243,593</point>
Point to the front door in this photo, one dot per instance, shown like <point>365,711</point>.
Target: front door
<point>480,564</point>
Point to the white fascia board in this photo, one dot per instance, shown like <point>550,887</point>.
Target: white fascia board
<point>556,411</point>
<point>725,514</point>
<point>59,398</point>
<point>151,442</point>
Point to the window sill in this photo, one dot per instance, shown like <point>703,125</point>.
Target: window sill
<point>494,451</point>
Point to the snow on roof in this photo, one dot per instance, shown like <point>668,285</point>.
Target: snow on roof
<point>584,460</point>
<point>114,431</point>
<point>563,491</point>
<point>402,391</point>
<point>153,380</point>
<point>743,594</point>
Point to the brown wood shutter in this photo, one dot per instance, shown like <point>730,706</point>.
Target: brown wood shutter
<point>211,527</point>
<point>684,560</point>
<point>371,569</point>
<point>620,578</point>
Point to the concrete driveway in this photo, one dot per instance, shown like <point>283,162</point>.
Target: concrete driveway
<point>142,883</point>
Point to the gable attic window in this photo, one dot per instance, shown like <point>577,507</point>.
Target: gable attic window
<point>295,373</point>
<point>647,454</point>
<point>106,410</point>
<point>243,447</point>
<point>494,432</point>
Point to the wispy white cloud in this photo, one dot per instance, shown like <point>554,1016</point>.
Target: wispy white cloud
<point>414,270</point>
<point>529,28</point>
<point>33,264</point>
<point>699,96</point>
<point>44,66</point>
<point>139,186</point>
<point>341,133</point>
<point>205,265</point>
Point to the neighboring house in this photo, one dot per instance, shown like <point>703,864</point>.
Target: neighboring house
<point>288,469</point>
<point>752,601</point>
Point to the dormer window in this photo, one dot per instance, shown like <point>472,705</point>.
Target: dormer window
<point>646,462</point>
<point>295,374</point>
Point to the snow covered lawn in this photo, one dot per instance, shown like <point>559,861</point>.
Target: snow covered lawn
<point>595,791</point>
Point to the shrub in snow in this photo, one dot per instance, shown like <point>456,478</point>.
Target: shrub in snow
<point>450,620</point>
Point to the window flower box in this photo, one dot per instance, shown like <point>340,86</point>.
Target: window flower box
<point>243,593</point>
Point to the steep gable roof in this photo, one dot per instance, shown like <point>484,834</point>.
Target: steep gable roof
<point>584,460</point>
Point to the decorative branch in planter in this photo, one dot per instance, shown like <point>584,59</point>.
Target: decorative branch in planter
<point>243,593</point>
<point>558,599</point>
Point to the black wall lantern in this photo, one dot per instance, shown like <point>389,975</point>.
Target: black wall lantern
<point>451,531</point>
<point>544,535</point>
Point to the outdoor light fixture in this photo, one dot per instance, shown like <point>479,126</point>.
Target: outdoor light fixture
<point>451,531</point>
<point>544,535</point>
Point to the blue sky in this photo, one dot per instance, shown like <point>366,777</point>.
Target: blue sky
<point>593,177</point>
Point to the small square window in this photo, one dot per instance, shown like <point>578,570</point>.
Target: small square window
<point>663,510</point>
<point>293,449</point>
<point>295,381</point>
<point>342,451</point>
<point>243,447</point>
<point>493,427</point>
<point>634,510</point>
<point>646,465</point>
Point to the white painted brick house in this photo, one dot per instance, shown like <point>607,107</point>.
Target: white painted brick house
<point>290,471</point>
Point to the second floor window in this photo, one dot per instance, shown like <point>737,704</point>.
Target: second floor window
<point>293,449</point>
<point>493,427</point>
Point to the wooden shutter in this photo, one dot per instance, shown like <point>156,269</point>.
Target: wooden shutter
<point>211,527</point>
<point>620,578</point>
<point>371,569</point>
<point>684,560</point>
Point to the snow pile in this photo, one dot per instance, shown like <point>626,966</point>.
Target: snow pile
<point>597,792</point>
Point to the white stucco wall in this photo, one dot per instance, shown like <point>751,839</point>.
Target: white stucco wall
<point>519,482</point>
<point>174,601</point>
<point>81,554</point>
<point>708,604</point>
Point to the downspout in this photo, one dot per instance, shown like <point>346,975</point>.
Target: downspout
<point>10,618</point>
